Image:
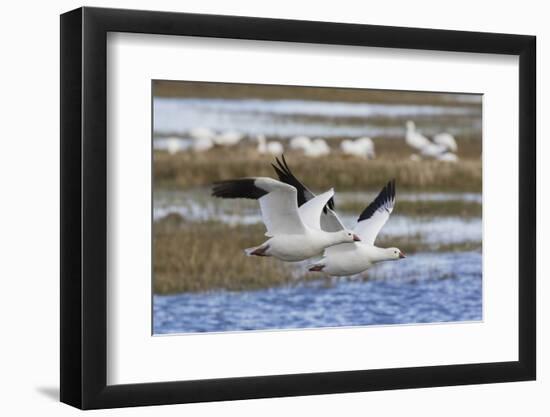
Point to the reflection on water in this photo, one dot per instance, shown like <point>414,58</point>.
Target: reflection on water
<point>426,288</point>
<point>285,118</point>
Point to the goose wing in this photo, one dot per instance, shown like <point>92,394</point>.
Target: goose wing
<point>312,210</point>
<point>376,214</point>
<point>330,222</point>
<point>278,202</point>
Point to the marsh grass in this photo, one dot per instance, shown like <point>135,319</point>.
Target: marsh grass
<point>421,208</point>
<point>183,89</point>
<point>192,257</point>
<point>187,169</point>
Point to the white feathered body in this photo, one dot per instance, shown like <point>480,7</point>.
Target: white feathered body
<point>202,144</point>
<point>294,232</point>
<point>351,258</point>
<point>415,139</point>
<point>447,140</point>
<point>362,147</point>
<point>229,138</point>
<point>300,143</point>
<point>299,247</point>
<point>173,145</point>
<point>318,147</point>
<point>271,148</point>
<point>433,150</point>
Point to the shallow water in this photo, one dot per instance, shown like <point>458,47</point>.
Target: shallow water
<point>286,118</point>
<point>425,288</point>
<point>198,205</point>
<point>164,200</point>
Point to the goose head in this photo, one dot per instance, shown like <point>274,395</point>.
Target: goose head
<point>393,254</point>
<point>347,236</point>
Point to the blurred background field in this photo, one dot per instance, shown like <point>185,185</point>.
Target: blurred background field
<point>185,170</point>
<point>204,132</point>
<point>335,115</point>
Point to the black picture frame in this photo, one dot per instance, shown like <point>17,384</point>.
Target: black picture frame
<point>84,207</point>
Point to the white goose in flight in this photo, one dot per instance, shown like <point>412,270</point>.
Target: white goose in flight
<point>294,234</point>
<point>356,257</point>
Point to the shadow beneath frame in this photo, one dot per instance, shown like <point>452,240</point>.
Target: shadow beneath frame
<point>50,392</point>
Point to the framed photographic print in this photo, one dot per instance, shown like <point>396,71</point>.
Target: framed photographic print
<point>257,207</point>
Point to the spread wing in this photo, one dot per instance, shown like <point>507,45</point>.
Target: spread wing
<point>311,210</point>
<point>377,213</point>
<point>330,221</point>
<point>285,175</point>
<point>278,202</point>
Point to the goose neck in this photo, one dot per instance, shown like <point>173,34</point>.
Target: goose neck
<point>379,254</point>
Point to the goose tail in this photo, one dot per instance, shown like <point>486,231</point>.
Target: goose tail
<point>257,250</point>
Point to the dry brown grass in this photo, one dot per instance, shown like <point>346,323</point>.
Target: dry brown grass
<point>191,257</point>
<point>263,91</point>
<point>186,169</point>
<point>207,256</point>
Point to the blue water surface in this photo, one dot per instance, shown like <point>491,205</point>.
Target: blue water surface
<point>424,288</point>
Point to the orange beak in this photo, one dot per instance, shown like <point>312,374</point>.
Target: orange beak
<point>356,238</point>
<point>401,255</point>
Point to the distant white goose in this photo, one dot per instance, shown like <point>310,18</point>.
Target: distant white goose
<point>368,146</point>
<point>201,132</point>
<point>318,147</point>
<point>428,149</point>
<point>294,235</point>
<point>356,257</point>
<point>433,150</point>
<point>447,157</point>
<point>202,144</point>
<point>415,139</point>
<point>203,139</point>
<point>299,143</point>
<point>229,138</point>
<point>273,147</point>
<point>362,147</point>
<point>447,140</point>
<point>173,145</point>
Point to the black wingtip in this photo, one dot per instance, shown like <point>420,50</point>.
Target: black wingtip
<point>284,162</point>
<point>280,173</point>
<point>238,188</point>
<point>282,166</point>
<point>391,187</point>
<point>285,175</point>
<point>384,199</point>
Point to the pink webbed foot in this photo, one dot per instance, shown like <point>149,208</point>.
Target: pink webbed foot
<point>317,268</point>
